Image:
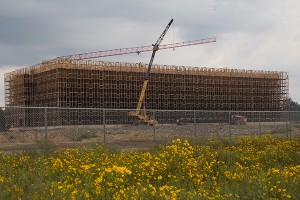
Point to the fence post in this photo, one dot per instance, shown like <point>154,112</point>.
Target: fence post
<point>46,128</point>
<point>259,123</point>
<point>154,131</point>
<point>104,128</point>
<point>229,120</point>
<point>195,121</point>
<point>24,118</point>
<point>286,123</point>
<point>290,123</point>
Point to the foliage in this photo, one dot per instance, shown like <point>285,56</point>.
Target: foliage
<point>294,106</point>
<point>247,168</point>
<point>3,121</point>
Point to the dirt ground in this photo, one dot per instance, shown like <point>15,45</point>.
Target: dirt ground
<point>129,135</point>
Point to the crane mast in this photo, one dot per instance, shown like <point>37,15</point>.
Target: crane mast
<point>147,76</point>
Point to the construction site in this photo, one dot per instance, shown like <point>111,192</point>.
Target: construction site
<point>94,84</point>
<point>76,81</point>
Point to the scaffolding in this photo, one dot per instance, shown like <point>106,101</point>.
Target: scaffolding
<point>97,84</point>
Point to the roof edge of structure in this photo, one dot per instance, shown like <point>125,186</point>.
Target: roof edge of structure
<point>139,67</point>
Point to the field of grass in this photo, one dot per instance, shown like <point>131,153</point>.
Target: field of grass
<point>243,168</point>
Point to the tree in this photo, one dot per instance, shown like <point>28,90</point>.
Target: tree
<point>3,122</point>
<point>294,106</point>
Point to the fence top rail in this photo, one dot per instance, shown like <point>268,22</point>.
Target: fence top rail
<point>152,110</point>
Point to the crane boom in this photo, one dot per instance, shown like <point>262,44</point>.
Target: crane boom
<point>142,95</point>
<point>138,50</point>
<point>155,48</point>
<point>161,37</point>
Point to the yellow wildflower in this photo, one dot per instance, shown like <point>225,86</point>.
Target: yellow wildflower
<point>85,167</point>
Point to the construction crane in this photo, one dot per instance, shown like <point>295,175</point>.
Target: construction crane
<point>155,47</point>
<point>131,50</point>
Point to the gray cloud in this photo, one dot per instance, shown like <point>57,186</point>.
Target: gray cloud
<point>250,34</point>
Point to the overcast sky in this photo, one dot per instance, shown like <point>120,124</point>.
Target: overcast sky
<point>251,34</point>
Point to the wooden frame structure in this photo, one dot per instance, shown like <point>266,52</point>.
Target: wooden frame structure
<point>97,84</point>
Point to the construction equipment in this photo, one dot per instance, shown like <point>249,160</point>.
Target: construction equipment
<point>238,120</point>
<point>137,113</point>
<point>138,50</point>
<point>154,47</point>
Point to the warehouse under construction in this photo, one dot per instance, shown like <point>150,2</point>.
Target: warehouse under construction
<point>77,82</point>
<point>96,84</point>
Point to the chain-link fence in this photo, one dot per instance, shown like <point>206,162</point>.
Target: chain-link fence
<point>24,128</point>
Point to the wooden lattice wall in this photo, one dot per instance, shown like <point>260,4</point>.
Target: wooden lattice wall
<point>94,84</point>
